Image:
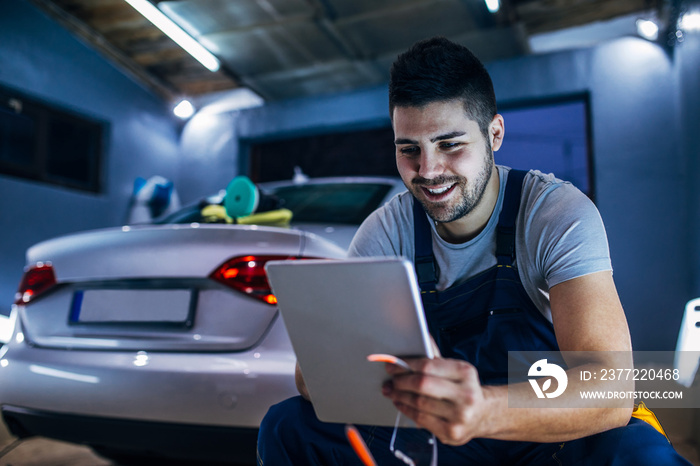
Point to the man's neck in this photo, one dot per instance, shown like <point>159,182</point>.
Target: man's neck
<point>469,226</point>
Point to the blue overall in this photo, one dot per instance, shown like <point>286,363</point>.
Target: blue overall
<point>490,314</point>
<point>479,321</point>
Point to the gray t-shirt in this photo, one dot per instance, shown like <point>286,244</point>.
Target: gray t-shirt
<point>559,236</point>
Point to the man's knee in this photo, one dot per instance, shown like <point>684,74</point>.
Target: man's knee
<point>642,444</point>
<point>279,433</point>
<point>637,444</point>
<point>291,434</point>
<point>284,418</point>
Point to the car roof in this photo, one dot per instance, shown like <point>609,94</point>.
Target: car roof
<point>333,179</point>
<point>396,182</point>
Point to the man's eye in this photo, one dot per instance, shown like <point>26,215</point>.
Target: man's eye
<point>409,150</point>
<point>449,145</point>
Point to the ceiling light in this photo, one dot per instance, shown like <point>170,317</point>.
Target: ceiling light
<point>690,22</point>
<point>647,29</point>
<point>184,109</point>
<point>493,5</point>
<point>172,30</point>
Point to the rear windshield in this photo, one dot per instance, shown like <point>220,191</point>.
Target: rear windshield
<point>344,203</point>
<point>332,203</point>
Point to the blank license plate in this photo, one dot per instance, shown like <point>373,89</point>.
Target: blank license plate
<point>132,306</point>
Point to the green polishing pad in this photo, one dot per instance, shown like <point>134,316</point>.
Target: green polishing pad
<point>242,197</point>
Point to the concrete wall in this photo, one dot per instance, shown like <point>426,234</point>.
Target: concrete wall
<point>688,97</point>
<point>41,59</point>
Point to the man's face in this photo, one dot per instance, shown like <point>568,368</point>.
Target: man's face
<point>443,158</point>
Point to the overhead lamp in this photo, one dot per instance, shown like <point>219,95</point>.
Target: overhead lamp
<point>184,109</point>
<point>176,33</point>
<point>493,5</point>
<point>647,29</point>
<point>690,22</point>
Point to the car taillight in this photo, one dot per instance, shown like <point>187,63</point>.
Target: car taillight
<point>37,279</point>
<point>247,275</point>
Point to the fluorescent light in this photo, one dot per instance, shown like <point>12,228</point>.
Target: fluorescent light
<point>172,30</point>
<point>493,5</point>
<point>647,29</point>
<point>184,109</point>
<point>690,22</point>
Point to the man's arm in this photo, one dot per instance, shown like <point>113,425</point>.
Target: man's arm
<point>445,396</point>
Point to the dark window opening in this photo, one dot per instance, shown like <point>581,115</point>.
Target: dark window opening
<point>45,143</point>
<point>552,136</point>
<point>358,153</point>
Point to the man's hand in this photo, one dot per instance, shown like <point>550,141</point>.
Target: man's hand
<point>443,396</point>
<point>446,397</point>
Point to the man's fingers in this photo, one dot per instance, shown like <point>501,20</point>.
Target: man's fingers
<point>439,408</point>
<point>447,432</point>
<point>440,395</point>
<point>427,385</point>
<point>451,369</point>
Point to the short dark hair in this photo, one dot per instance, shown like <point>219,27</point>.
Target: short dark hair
<point>437,69</point>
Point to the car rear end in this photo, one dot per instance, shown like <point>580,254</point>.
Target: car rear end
<point>159,339</point>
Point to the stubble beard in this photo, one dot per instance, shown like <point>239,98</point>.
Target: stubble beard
<point>443,212</point>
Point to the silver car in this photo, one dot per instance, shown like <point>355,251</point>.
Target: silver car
<point>163,340</point>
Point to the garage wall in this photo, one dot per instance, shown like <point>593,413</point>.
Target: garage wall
<point>639,168</point>
<point>222,140</point>
<point>39,58</point>
<point>644,104</point>
<point>688,97</point>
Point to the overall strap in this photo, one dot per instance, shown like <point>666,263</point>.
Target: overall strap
<point>505,239</point>
<point>426,270</point>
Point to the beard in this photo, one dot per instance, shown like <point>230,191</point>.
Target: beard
<point>471,193</point>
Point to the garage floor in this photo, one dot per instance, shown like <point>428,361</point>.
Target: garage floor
<point>44,452</point>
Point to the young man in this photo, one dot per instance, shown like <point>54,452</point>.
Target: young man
<point>506,261</point>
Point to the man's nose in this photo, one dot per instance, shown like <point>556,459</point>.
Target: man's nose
<point>431,165</point>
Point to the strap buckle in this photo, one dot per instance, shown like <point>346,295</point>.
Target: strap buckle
<point>426,270</point>
<point>505,242</point>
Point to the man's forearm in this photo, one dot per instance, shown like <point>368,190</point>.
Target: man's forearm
<point>581,417</point>
<point>446,397</point>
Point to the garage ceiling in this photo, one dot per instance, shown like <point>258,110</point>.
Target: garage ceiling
<point>293,48</point>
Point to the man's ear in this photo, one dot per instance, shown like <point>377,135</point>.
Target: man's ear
<point>496,132</point>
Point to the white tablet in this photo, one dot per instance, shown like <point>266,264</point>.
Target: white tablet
<point>337,312</point>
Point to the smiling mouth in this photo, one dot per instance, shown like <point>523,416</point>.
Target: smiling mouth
<point>439,190</point>
<point>438,193</point>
